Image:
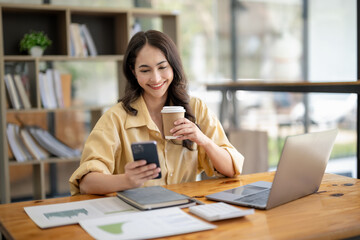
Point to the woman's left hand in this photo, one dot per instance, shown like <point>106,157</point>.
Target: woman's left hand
<point>185,129</point>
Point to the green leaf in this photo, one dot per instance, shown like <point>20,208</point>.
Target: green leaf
<point>34,38</point>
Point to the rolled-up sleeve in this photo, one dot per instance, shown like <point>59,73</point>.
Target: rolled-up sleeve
<point>85,168</point>
<point>237,159</point>
<point>99,153</point>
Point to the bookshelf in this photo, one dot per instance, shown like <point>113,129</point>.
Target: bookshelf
<point>110,29</point>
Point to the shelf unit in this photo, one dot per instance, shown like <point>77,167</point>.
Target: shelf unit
<point>110,29</point>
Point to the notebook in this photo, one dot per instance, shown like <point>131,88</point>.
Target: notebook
<point>299,173</point>
<point>153,197</point>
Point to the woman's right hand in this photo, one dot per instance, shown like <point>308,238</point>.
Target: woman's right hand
<point>137,173</point>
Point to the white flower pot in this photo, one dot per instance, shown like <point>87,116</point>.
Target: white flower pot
<point>36,51</point>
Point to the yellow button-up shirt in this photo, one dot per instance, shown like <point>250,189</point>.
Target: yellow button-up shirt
<point>108,147</point>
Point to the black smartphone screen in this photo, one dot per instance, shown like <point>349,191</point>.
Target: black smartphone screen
<point>147,151</point>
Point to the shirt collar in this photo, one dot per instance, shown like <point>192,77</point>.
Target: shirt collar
<point>142,118</point>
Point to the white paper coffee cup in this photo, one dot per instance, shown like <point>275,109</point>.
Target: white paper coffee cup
<point>169,115</point>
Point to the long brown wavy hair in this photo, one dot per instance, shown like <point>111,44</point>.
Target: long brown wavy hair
<point>177,91</point>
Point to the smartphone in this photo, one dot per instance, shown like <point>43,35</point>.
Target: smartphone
<point>146,150</point>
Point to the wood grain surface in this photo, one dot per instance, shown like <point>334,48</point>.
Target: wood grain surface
<point>331,213</point>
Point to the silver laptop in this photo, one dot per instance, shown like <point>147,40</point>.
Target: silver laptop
<point>299,173</point>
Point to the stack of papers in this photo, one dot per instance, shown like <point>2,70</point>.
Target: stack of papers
<point>112,218</point>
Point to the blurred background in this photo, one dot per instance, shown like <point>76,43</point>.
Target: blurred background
<point>254,40</point>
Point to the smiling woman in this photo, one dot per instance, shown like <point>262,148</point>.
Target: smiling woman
<point>155,78</point>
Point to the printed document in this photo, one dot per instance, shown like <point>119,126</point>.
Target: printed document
<point>144,225</point>
<point>46,216</point>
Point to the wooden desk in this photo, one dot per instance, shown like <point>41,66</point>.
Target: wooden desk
<point>331,213</point>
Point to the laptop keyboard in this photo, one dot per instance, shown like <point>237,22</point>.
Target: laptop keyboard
<point>257,198</point>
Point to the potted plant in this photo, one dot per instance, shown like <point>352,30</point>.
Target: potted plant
<point>35,43</point>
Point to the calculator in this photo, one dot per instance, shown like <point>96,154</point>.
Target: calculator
<point>219,211</point>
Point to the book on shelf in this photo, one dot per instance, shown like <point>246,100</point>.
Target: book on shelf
<point>44,92</point>
<point>22,95</point>
<point>52,144</point>
<point>51,89</point>
<point>34,148</point>
<point>33,142</point>
<point>78,43</point>
<point>88,40</point>
<point>17,146</point>
<point>153,197</point>
<point>10,152</point>
<point>12,92</point>
<point>85,51</point>
<point>58,87</point>
<point>66,89</point>
<point>81,41</point>
<point>72,42</point>
<point>26,82</point>
<point>49,78</point>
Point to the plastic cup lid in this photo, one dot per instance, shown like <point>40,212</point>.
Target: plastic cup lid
<point>172,109</point>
